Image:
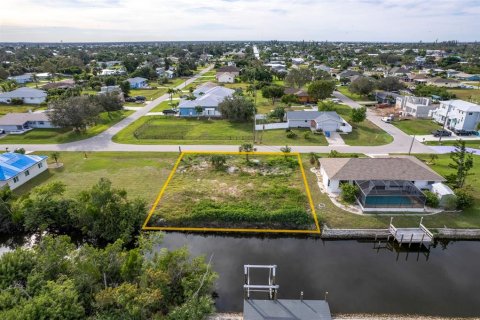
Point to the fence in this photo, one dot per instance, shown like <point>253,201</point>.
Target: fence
<point>271,126</point>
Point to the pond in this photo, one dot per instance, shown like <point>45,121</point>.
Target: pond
<point>359,277</point>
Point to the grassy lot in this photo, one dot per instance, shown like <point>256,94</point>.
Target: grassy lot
<point>354,96</point>
<point>170,130</point>
<point>417,126</point>
<point>150,94</point>
<point>469,143</point>
<point>363,134</point>
<point>163,105</point>
<point>41,136</point>
<point>467,94</point>
<point>279,138</point>
<point>140,174</point>
<point>202,195</point>
<point>335,217</point>
<point>8,108</point>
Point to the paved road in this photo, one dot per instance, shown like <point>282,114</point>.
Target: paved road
<point>103,141</point>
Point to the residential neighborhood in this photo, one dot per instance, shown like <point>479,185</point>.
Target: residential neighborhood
<point>176,161</point>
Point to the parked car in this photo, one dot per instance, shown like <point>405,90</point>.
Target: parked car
<point>464,132</point>
<point>441,133</point>
<point>140,98</point>
<point>388,119</point>
<point>169,112</point>
<point>130,99</point>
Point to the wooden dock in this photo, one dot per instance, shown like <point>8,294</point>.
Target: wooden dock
<point>409,236</point>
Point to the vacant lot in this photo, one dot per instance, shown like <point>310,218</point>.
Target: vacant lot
<point>472,95</point>
<point>417,126</point>
<point>173,130</point>
<point>139,173</point>
<point>64,135</point>
<point>245,191</point>
<point>354,96</point>
<point>7,108</point>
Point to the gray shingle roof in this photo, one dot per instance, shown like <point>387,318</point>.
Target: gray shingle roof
<point>24,93</point>
<point>406,168</point>
<point>13,119</point>
<point>286,309</point>
<point>313,115</point>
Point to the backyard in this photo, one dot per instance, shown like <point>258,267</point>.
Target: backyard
<point>64,135</point>
<point>208,194</point>
<point>417,126</point>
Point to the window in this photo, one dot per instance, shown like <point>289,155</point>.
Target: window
<point>328,184</point>
<point>306,120</point>
<point>27,173</point>
<point>41,122</point>
<point>470,113</point>
<point>40,165</point>
<point>15,179</point>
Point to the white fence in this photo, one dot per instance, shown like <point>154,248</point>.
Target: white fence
<point>271,126</point>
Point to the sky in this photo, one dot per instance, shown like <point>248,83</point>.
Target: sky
<point>184,20</point>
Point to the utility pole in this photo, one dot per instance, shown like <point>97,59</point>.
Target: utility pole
<point>411,145</point>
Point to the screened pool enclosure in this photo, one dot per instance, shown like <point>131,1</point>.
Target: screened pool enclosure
<point>389,194</point>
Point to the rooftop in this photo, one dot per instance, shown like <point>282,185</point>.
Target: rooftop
<point>463,105</point>
<point>406,168</point>
<point>22,118</point>
<point>24,92</point>
<point>11,164</point>
<point>283,309</point>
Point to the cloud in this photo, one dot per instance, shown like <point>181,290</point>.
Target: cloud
<point>334,20</point>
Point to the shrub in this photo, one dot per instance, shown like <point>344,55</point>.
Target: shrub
<point>307,135</point>
<point>349,192</point>
<point>291,135</point>
<point>451,203</point>
<point>432,199</point>
<point>17,101</point>
<point>464,198</point>
<point>218,161</point>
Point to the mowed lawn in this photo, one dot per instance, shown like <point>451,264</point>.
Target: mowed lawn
<point>140,174</point>
<point>472,95</point>
<point>363,134</point>
<point>279,138</point>
<point>417,126</point>
<point>354,96</point>
<point>7,108</point>
<point>261,192</point>
<point>64,135</point>
<point>173,130</point>
<point>468,143</point>
<point>335,217</point>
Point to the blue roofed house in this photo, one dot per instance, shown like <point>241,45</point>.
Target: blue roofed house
<point>208,97</point>
<point>16,168</point>
<point>138,82</point>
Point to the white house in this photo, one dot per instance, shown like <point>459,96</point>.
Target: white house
<point>208,97</point>
<point>43,75</point>
<point>416,107</point>
<point>27,95</point>
<point>138,82</point>
<point>16,168</point>
<point>21,79</point>
<point>317,120</point>
<point>384,184</point>
<point>441,82</point>
<point>457,115</point>
<point>225,77</point>
<point>23,122</point>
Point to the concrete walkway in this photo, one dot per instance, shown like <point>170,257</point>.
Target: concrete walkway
<point>335,139</point>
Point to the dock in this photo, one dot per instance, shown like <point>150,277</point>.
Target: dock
<point>409,236</point>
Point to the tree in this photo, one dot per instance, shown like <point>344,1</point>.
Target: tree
<point>198,110</point>
<point>321,89</point>
<point>326,106</point>
<point>358,114</point>
<point>125,87</point>
<point>278,112</point>
<point>462,163</point>
<point>297,78</point>
<point>390,84</point>
<point>75,112</point>
<point>286,150</point>
<point>433,157</point>
<point>237,108</point>
<point>362,85</point>
<point>246,147</point>
<point>314,159</point>
<point>110,81</point>
<point>9,222</point>
<point>171,92</point>
<point>3,74</point>
<point>109,102</point>
<point>273,92</point>
<point>431,199</point>
<point>349,192</point>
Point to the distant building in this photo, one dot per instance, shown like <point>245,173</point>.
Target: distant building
<point>16,168</point>
<point>109,89</point>
<point>441,82</point>
<point>208,98</point>
<point>22,79</point>
<point>416,107</point>
<point>27,95</point>
<point>302,95</point>
<point>225,77</point>
<point>231,69</point>
<point>386,97</point>
<point>23,122</point>
<point>457,115</point>
<point>138,83</point>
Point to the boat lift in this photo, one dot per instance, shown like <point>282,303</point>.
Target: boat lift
<point>271,288</point>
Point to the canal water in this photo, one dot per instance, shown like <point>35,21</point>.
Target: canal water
<point>359,276</point>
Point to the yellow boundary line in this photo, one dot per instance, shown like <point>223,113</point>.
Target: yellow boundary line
<point>195,229</point>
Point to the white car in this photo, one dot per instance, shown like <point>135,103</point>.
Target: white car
<point>387,119</point>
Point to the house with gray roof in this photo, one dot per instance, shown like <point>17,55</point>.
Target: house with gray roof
<point>27,95</point>
<point>384,184</point>
<point>326,121</point>
<point>22,122</point>
<point>206,97</point>
<point>138,83</point>
<point>21,79</point>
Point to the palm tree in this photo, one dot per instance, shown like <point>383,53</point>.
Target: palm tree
<point>246,147</point>
<point>433,157</point>
<point>35,79</point>
<point>286,150</point>
<point>171,92</point>
<point>55,155</point>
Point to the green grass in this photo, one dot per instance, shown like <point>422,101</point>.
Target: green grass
<point>279,138</point>
<point>140,174</point>
<point>200,195</point>
<point>468,143</point>
<point>150,94</point>
<point>163,105</point>
<point>8,108</point>
<point>158,129</point>
<point>64,135</point>
<point>417,126</point>
<point>467,94</point>
<point>363,134</point>
<point>335,217</point>
<point>354,96</point>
